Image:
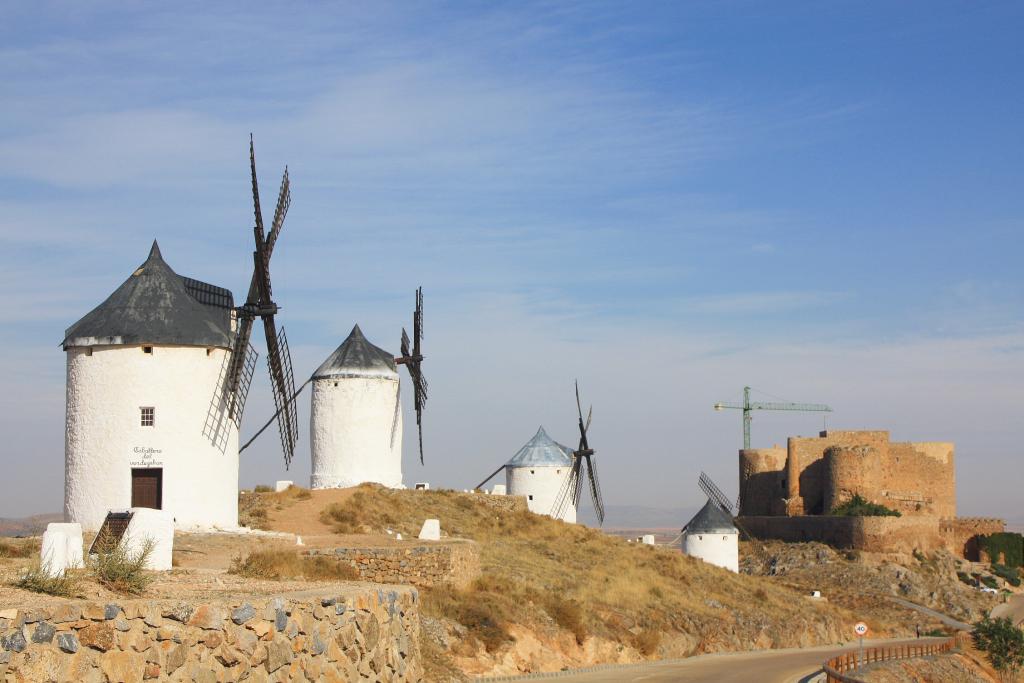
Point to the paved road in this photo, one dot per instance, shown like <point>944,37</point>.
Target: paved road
<point>1014,608</point>
<point>769,666</point>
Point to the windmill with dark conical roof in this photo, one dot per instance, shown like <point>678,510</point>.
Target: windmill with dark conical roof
<point>356,415</point>
<point>134,429</point>
<point>158,376</point>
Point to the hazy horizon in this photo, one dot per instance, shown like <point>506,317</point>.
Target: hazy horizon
<point>666,202</point>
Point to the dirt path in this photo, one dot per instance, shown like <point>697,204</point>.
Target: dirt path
<point>1013,608</point>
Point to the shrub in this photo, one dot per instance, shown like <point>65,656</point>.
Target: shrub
<point>344,518</point>
<point>859,507</point>
<point>989,581</point>
<point>37,580</point>
<point>647,641</point>
<point>1002,642</point>
<point>1010,574</point>
<point>569,615</point>
<point>263,488</point>
<point>1007,544</point>
<point>121,571</point>
<point>964,578</point>
<point>280,563</point>
<point>482,616</point>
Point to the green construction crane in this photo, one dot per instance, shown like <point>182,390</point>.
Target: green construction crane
<point>747,407</point>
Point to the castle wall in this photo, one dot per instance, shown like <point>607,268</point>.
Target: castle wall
<point>919,478</point>
<point>851,470</point>
<point>762,480</point>
<point>960,535</point>
<point>806,471</point>
<point>875,534</point>
<point>191,440</point>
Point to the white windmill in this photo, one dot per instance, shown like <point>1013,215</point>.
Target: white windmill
<point>356,415</point>
<point>550,475</point>
<point>712,537</point>
<point>157,377</point>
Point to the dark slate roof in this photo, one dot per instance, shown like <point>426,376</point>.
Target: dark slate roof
<point>710,520</point>
<point>541,451</point>
<point>155,305</point>
<point>357,357</point>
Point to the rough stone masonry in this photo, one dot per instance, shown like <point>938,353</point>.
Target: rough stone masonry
<point>365,634</point>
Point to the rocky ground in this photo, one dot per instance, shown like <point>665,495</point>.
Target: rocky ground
<point>864,582</point>
<point>937,669</point>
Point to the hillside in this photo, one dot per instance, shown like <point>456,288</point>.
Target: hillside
<point>555,595</point>
<point>865,583</point>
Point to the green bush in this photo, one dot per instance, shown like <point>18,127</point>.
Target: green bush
<point>121,571</point>
<point>1007,544</point>
<point>964,578</point>
<point>1010,574</point>
<point>989,581</point>
<point>1002,642</point>
<point>858,507</point>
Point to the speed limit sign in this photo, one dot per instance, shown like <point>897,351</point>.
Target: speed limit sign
<point>861,628</point>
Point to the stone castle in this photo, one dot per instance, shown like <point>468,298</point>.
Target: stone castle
<point>788,493</point>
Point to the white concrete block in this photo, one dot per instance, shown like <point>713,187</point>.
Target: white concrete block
<point>648,539</point>
<point>431,530</point>
<point>282,485</point>
<point>156,526</point>
<point>498,490</point>
<point>398,537</point>
<point>62,548</point>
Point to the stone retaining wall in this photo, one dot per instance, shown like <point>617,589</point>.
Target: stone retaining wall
<point>452,562</point>
<point>366,634</point>
<point>873,534</point>
<point>879,534</point>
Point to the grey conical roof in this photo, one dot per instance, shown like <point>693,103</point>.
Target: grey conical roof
<point>710,520</point>
<point>155,305</point>
<point>541,451</point>
<point>357,357</point>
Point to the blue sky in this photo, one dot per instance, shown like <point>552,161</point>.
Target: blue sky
<point>666,200</point>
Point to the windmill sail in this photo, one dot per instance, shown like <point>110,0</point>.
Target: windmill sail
<point>259,303</point>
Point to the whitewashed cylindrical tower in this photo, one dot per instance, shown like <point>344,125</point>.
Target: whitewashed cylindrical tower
<point>712,537</point>
<point>356,417</point>
<point>539,471</point>
<point>145,426</point>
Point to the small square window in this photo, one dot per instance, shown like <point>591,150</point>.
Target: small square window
<point>531,497</point>
<point>147,349</point>
<point>148,416</point>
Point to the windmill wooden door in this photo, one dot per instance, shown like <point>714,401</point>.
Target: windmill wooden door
<point>147,488</point>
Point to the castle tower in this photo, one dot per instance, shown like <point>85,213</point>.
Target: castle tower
<point>356,420</point>
<point>538,471</point>
<point>712,537</point>
<point>144,370</point>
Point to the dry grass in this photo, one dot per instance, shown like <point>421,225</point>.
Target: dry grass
<point>544,573</point>
<point>35,579</point>
<point>280,563</point>
<point>19,548</point>
<point>254,507</point>
<point>120,570</point>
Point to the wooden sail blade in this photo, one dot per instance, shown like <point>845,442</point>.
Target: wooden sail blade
<point>595,489</point>
<point>282,381</point>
